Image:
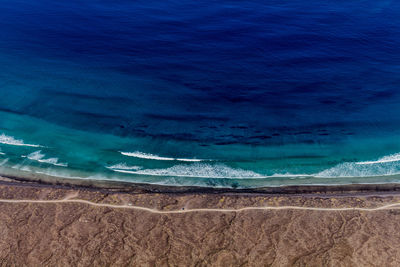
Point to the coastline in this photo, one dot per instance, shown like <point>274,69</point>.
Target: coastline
<point>122,186</point>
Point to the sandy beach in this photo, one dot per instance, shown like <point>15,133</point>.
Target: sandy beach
<point>80,225</point>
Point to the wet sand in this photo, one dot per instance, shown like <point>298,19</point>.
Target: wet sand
<point>85,225</point>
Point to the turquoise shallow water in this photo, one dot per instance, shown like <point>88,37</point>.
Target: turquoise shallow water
<point>219,94</point>
<point>28,149</point>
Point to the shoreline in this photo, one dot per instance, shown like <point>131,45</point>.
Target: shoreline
<point>142,188</point>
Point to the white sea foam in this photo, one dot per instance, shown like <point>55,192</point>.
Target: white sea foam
<point>141,155</point>
<point>9,140</point>
<point>197,170</point>
<point>68,175</point>
<point>385,159</point>
<point>289,175</point>
<point>38,156</point>
<point>385,166</point>
<point>192,160</point>
<point>123,166</point>
<point>367,169</point>
<point>1,153</point>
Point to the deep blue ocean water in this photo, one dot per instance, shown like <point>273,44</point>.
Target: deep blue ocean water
<point>210,93</point>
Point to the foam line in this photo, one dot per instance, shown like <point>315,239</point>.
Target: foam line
<point>141,155</point>
<point>9,140</point>
<point>39,157</point>
<point>386,159</point>
<point>196,171</point>
<point>123,166</point>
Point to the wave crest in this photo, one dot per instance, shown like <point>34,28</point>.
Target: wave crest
<point>197,171</point>
<point>39,157</point>
<point>354,169</point>
<point>123,166</point>
<point>9,140</point>
<point>141,155</point>
<point>385,159</point>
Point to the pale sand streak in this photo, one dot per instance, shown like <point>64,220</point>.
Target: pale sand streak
<point>114,206</point>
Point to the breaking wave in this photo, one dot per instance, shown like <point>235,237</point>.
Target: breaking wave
<point>197,170</point>
<point>9,140</point>
<point>385,166</point>
<point>385,159</point>
<point>39,157</point>
<point>141,155</point>
<point>123,166</point>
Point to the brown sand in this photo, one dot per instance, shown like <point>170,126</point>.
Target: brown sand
<point>80,234</point>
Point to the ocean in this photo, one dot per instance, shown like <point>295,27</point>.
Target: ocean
<point>201,93</point>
